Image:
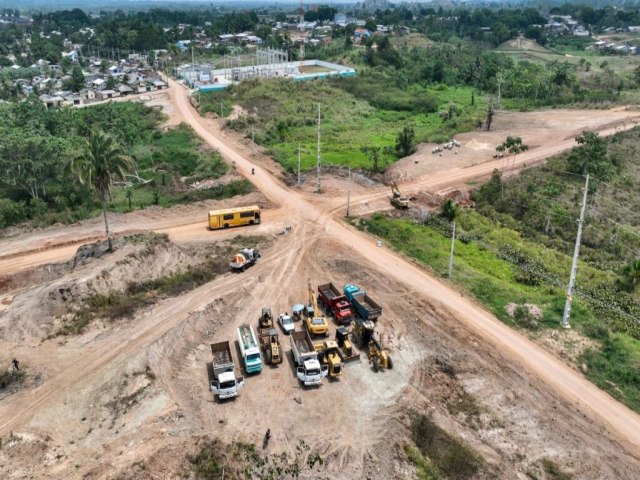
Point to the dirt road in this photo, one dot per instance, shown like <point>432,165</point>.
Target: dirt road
<point>621,421</point>
<point>314,229</point>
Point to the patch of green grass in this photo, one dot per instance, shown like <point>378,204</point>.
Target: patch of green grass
<point>482,271</point>
<point>283,114</point>
<point>424,467</point>
<point>451,457</point>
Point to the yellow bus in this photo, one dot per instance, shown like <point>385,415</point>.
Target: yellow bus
<point>234,217</point>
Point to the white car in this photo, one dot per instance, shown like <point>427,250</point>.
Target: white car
<point>286,322</point>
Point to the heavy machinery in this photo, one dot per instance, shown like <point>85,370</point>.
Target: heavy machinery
<point>315,324</point>
<point>345,348</point>
<point>308,368</point>
<point>361,303</point>
<point>364,330</point>
<point>266,319</point>
<point>329,356</point>
<point>397,199</point>
<point>223,381</point>
<point>270,345</point>
<point>244,258</point>
<point>249,349</point>
<point>335,303</point>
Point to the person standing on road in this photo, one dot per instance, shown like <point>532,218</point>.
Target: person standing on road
<point>267,436</point>
<point>15,364</point>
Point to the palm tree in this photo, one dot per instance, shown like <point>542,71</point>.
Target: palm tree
<point>102,162</point>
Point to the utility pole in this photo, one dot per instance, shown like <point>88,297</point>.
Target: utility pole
<point>453,241</point>
<point>348,191</point>
<point>318,161</point>
<point>221,110</point>
<point>298,164</point>
<point>574,265</point>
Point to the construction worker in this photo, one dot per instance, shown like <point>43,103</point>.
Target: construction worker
<point>267,436</point>
<point>15,364</point>
<point>253,171</point>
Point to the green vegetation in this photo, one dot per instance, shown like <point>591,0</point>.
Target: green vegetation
<point>281,115</point>
<point>439,454</point>
<point>39,144</point>
<point>516,248</point>
<point>10,377</point>
<point>237,461</point>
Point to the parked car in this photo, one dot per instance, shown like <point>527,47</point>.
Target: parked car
<point>286,322</point>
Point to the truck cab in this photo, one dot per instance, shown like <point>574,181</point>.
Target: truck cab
<point>227,385</point>
<point>312,372</point>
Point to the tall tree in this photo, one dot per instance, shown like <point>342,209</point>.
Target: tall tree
<point>102,162</point>
<point>405,141</point>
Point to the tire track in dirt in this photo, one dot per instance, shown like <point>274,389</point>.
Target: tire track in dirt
<point>124,342</point>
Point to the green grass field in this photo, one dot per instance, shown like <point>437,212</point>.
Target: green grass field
<point>486,271</point>
<point>283,114</point>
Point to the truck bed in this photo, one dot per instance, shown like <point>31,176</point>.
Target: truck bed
<point>368,304</point>
<point>247,338</point>
<point>221,353</point>
<point>303,347</point>
<point>329,291</point>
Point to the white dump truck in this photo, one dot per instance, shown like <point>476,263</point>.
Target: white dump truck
<point>224,383</point>
<point>308,368</point>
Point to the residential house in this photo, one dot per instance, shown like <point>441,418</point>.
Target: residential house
<point>50,100</point>
<point>124,89</point>
<point>99,84</point>
<point>87,95</point>
<point>107,94</point>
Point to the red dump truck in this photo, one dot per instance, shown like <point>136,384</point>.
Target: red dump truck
<point>335,303</point>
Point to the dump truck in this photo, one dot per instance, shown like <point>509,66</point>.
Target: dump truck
<point>329,356</point>
<point>315,324</point>
<point>365,307</point>
<point>266,318</point>
<point>249,349</point>
<point>244,258</point>
<point>308,368</point>
<point>397,199</point>
<point>270,345</point>
<point>224,382</point>
<point>335,303</point>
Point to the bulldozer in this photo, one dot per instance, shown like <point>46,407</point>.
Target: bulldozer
<point>328,355</point>
<point>364,330</point>
<point>345,348</point>
<point>397,199</point>
<point>270,345</point>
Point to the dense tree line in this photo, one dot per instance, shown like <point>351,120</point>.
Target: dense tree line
<point>38,144</point>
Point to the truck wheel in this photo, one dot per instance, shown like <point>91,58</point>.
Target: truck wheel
<point>268,357</point>
<point>251,222</point>
<point>389,363</point>
<point>226,225</point>
<point>376,364</point>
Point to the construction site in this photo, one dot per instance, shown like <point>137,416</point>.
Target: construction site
<point>263,63</point>
<point>307,332</point>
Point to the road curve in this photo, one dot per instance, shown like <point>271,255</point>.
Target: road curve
<point>622,422</point>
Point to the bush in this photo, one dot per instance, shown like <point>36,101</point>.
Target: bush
<point>11,212</point>
<point>452,458</point>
